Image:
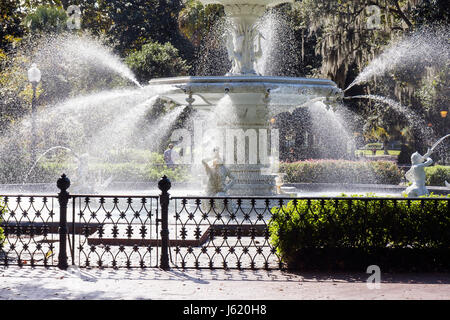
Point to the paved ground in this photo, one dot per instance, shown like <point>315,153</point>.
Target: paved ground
<point>95,284</point>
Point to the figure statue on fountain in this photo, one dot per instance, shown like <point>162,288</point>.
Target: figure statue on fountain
<point>416,174</point>
<point>220,178</point>
<point>235,52</point>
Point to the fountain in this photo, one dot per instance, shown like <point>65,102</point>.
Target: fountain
<point>253,99</point>
<point>237,108</point>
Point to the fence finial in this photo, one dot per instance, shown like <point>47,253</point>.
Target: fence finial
<point>164,184</point>
<point>63,183</point>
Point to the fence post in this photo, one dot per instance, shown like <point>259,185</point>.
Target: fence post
<point>164,185</point>
<point>63,184</point>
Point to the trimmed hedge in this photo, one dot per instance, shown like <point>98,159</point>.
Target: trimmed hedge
<point>342,171</point>
<point>133,166</point>
<point>437,175</point>
<point>353,234</point>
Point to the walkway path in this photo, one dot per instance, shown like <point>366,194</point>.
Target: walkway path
<point>41,283</point>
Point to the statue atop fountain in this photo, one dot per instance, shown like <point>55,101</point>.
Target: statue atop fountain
<point>244,41</point>
<point>417,175</point>
<point>220,178</point>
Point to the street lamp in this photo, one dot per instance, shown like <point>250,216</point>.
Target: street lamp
<point>34,76</point>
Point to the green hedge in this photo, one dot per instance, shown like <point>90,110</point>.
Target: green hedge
<point>135,166</point>
<point>437,175</point>
<point>346,234</point>
<point>375,145</point>
<point>342,171</point>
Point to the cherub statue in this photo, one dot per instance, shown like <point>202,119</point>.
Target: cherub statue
<point>416,174</point>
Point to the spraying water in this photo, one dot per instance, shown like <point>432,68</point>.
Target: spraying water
<point>413,118</point>
<point>42,155</point>
<point>439,141</point>
<point>70,52</point>
<point>163,126</point>
<point>114,135</point>
<point>425,46</point>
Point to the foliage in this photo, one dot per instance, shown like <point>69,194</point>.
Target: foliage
<point>10,21</point>
<point>157,60</point>
<point>134,23</point>
<point>346,45</point>
<point>47,19</point>
<point>367,225</point>
<point>126,166</point>
<point>374,145</point>
<point>431,12</point>
<point>195,20</point>
<point>341,171</point>
<point>437,175</point>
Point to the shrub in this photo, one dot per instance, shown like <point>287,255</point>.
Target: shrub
<point>47,19</point>
<point>149,171</point>
<point>375,145</point>
<point>352,233</point>
<point>342,171</point>
<point>437,175</point>
<point>157,60</point>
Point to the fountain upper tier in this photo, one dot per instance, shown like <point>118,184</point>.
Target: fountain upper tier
<point>244,40</point>
<point>205,92</point>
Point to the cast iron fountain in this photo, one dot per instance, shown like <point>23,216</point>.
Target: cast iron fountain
<point>253,98</point>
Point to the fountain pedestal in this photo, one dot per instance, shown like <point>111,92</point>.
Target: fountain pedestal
<point>250,144</point>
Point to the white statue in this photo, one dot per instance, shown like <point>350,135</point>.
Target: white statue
<point>235,46</point>
<point>416,174</point>
<point>83,169</point>
<point>220,178</point>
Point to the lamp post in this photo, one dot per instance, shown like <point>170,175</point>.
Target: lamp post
<point>34,76</point>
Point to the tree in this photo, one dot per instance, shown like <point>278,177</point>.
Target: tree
<point>196,21</point>
<point>134,23</point>
<point>156,60</point>
<point>373,132</point>
<point>47,19</point>
<point>431,12</point>
<point>10,24</point>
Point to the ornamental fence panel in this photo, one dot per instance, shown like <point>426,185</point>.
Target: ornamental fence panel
<point>137,231</point>
<point>30,226</point>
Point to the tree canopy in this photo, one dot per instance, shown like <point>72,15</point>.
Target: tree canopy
<point>335,39</point>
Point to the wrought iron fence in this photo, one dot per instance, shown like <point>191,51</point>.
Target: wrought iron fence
<point>114,231</point>
<point>187,232</point>
<point>223,233</point>
<point>30,229</point>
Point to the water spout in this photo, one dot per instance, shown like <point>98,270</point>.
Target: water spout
<point>42,155</point>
